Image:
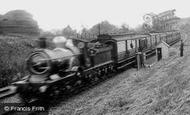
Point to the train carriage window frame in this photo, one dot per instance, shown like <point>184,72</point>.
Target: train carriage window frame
<point>142,43</point>
<point>153,40</point>
<point>148,41</point>
<point>121,46</point>
<point>131,45</point>
<point>160,37</point>
<point>156,39</point>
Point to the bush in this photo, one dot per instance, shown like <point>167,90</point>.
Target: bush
<point>14,52</point>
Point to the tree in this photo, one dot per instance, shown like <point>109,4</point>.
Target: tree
<point>103,28</point>
<point>84,31</point>
<point>185,28</point>
<point>68,31</point>
<point>124,28</point>
<point>47,34</point>
<point>19,22</point>
<point>140,28</point>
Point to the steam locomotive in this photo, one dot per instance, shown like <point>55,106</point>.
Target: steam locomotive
<point>51,75</point>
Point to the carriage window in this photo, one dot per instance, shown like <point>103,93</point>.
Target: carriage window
<point>153,40</point>
<point>148,41</point>
<point>121,46</point>
<point>130,44</point>
<point>158,39</point>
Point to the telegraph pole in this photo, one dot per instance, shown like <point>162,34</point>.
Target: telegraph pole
<point>181,48</point>
<point>137,56</point>
<point>99,31</point>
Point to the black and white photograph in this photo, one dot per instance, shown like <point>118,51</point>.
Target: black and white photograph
<point>94,57</point>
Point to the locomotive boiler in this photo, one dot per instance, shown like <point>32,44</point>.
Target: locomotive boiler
<point>48,62</point>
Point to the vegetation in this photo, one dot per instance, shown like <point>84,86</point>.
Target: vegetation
<point>184,25</point>
<point>14,52</point>
<point>100,28</point>
<point>17,28</point>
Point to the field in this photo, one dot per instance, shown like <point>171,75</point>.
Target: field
<point>13,53</point>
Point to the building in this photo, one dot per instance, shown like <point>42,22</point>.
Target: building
<point>162,50</point>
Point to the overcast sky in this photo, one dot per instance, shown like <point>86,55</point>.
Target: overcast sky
<point>56,14</point>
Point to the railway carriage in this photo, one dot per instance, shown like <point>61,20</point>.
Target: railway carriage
<point>125,47</point>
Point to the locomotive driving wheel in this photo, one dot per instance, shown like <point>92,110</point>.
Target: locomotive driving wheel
<point>55,92</point>
<point>79,77</point>
<point>79,73</point>
<point>25,98</point>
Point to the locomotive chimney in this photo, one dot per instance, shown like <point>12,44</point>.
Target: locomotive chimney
<point>42,42</point>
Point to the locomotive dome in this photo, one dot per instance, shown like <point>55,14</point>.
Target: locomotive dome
<point>69,43</point>
<point>59,39</point>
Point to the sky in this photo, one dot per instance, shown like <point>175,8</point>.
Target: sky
<point>57,14</point>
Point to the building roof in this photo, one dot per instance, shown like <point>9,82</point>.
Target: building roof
<point>123,38</point>
<point>162,42</point>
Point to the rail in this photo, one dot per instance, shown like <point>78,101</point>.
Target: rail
<point>151,53</point>
<point>7,91</point>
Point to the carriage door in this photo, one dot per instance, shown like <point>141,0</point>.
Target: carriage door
<point>114,50</point>
<point>159,53</point>
<point>142,44</point>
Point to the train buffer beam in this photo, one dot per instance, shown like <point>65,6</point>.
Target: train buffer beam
<point>7,91</point>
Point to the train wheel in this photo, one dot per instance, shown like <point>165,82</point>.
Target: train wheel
<point>87,78</point>
<point>79,74</point>
<point>68,89</point>
<point>103,73</point>
<point>92,78</point>
<point>95,76</point>
<point>113,69</point>
<point>80,77</point>
<point>106,71</point>
<point>25,98</point>
<point>109,69</point>
<point>99,73</point>
<point>54,92</point>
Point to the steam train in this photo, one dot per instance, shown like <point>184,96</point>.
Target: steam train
<point>50,74</point>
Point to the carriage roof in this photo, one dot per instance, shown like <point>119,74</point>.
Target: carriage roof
<point>119,37</point>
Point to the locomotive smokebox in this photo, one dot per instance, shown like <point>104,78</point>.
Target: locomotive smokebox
<point>42,42</point>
